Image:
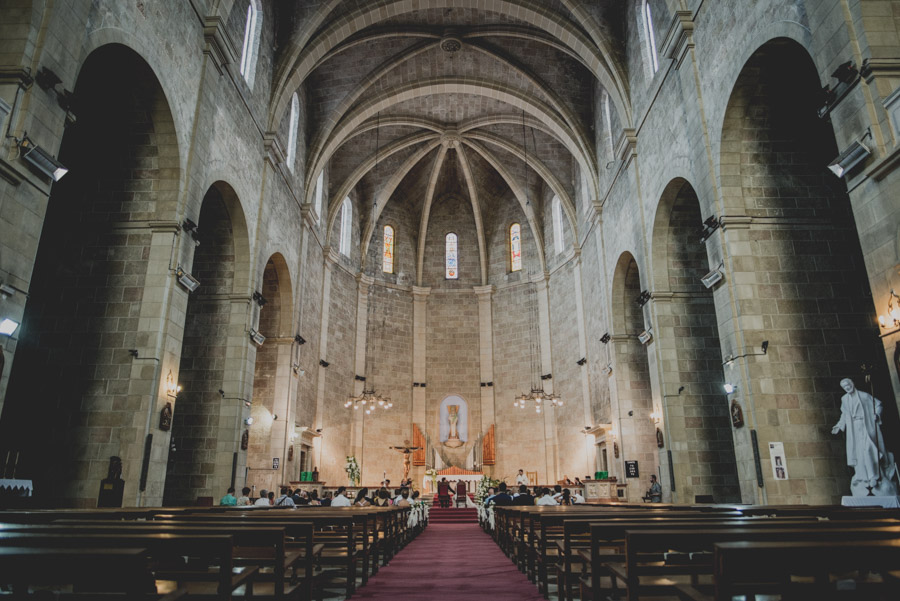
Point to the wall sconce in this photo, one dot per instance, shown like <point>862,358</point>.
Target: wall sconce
<point>8,326</point>
<point>42,160</point>
<point>729,360</point>
<point>646,336</point>
<point>710,225</point>
<point>891,323</point>
<point>644,298</point>
<point>852,156</point>
<point>186,279</point>
<point>256,337</point>
<point>172,388</point>
<point>729,388</point>
<point>713,277</point>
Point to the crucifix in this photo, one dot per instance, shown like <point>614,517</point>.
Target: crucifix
<point>407,450</point>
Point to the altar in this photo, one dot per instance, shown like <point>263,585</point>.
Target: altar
<point>453,474</point>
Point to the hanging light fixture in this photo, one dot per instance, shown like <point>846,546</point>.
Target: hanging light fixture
<point>537,398</point>
<point>369,400</point>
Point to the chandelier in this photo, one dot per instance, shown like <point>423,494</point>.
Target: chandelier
<point>369,400</point>
<point>537,397</point>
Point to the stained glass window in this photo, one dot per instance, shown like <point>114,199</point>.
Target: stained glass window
<point>515,247</point>
<point>346,226</point>
<point>558,241</point>
<point>452,257</point>
<point>387,254</point>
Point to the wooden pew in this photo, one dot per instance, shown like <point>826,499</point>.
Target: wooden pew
<point>750,567</point>
<point>262,545</point>
<point>115,573</point>
<point>208,573</point>
<point>658,559</point>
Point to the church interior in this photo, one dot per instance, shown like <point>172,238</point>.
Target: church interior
<point>248,243</point>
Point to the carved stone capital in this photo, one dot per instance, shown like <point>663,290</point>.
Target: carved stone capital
<point>219,46</point>
<point>626,150</point>
<point>420,293</point>
<point>274,151</point>
<point>679,39</point>
<point>484,292</point>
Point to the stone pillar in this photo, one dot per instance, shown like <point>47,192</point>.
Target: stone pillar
<point>486,344</point>
<point>420,336</point>
<point>551,437</point>
<point>582,350</point>
<point>331,258</point>
<point>362,315</point>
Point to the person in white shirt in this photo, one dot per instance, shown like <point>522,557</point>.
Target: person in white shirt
<point>522,479</point>
<point>577,499</point>
<point>340,499</point>
<point>546,499</point>
<point>263,500</point>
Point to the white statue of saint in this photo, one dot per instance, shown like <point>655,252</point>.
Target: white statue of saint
<point>874,468</point>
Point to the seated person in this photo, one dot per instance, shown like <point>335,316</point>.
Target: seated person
<point>444,492</point>
<point>578,481</point>
<point>404,499</point>
<point>383,499</point>
<point>340,498</point>
<point>521,478</point>
<point>362,498</point>
<point>577,498</point>
<point>285,499</point>
<point>263,500</point>
<point>229,500</point>
<point>502,497</point>
<point>523,497</point>
<point>546,498</point>
<point>244,499</point>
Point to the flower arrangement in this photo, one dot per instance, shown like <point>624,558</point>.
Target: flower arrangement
<point>481,489</point>
<point>352,469</point>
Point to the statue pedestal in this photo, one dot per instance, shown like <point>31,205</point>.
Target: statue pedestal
<point>886,502</point>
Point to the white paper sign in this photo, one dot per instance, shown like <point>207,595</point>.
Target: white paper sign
<point>779,462</point>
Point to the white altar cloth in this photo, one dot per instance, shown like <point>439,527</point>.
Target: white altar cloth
<point>886,502</point>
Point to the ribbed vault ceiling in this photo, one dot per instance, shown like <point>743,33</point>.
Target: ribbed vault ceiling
<point>456,93</point>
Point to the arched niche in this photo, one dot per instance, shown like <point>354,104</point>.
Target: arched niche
<point>462,426</point>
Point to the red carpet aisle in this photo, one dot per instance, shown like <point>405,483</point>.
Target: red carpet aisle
<point>450,561</point>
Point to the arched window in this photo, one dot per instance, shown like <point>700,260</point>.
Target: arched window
<point>292,132</point>
<point>387,253</point>
<point>320,190</point>
<point>558,240</point>
<point>607,125</point>
<point>515,247</point>
<point>250,50</point>
<point>647,17</point>
<point>451,260</point>
<point>346,226</point>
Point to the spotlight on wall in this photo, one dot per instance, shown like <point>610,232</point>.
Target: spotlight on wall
<point>645,337</point>
<point>890,320</point>
<point>6,291</point>
<point>582,361</point>
<point>186,279</point>
<point>249,421</point>
<point>259,298</point>
<point>713,277</point>
<point>299,339</point>
<point>729,388</point>
<point>855,154</point>
<point>256,337</point>
<point>644,298</point>
<point>8,326</point>
<point>191,228</point>
<point>42,160</point>
<point>605,338</point>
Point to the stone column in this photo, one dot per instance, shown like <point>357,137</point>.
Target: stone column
<point>582,350</point>
<point>551,437</point>
<point>486,344</point>
<point>420,336</point>
<point>331,258</point>
<point>362,316</point>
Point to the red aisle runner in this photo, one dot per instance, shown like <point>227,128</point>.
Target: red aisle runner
<point>450,561</point>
